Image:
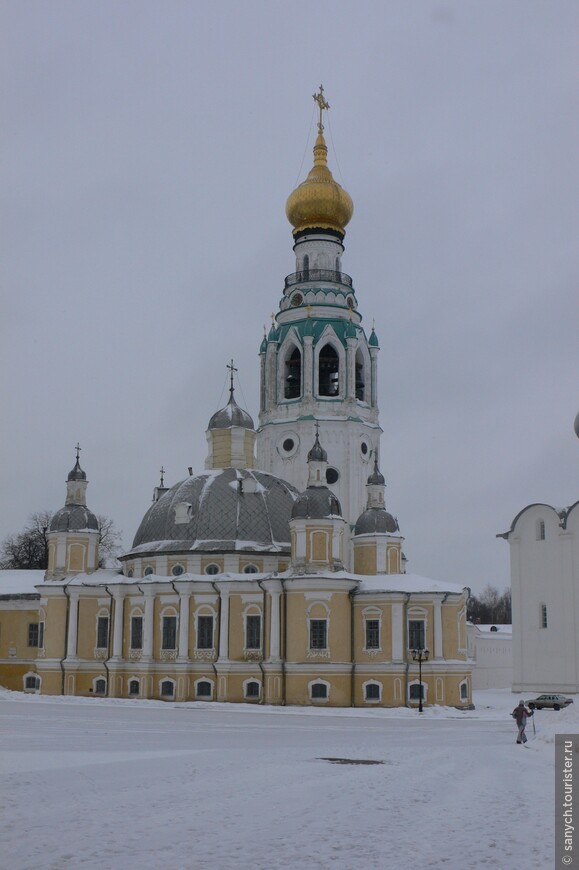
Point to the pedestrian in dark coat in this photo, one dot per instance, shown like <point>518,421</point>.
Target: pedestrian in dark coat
<point>520,714</point>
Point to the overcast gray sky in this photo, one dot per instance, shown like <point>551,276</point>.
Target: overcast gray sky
<point>148,149</point>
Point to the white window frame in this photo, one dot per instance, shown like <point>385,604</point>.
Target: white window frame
<point>252,610</point>
<point>319,682</point>
<point>377,700</point>
<point>37,683</point>
<point>252,697</point>
<point>204,610</point>
<point>173,683</point>
<point>465,683</point>
<point>102,613</point>
<point>133,694</point>
<point>414,702</point>
<point>169,611</point>
<point>374,614</point>
<point>204,697</point>
<point>94,685</point>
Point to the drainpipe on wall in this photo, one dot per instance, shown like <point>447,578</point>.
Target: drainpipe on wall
<point>105,661</point>
<point>262,699</point>
<point>284,630</point>
<point>352,650</point>
<point>66,622</point>
<point>213,665</point>
<point>405,642</point>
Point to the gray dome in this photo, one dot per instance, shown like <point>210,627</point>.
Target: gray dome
<point>74,518</point>
<point>376,520</point>
<point>77,473</point>
<point>223,510</point>
<point>376,478</point>
<point>231,415</point>
<point>317,453</point>
<point>316,503</point>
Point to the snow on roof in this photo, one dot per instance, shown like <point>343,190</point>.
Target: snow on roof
<point>405,583</point>
<point>494,628</point>
<point>19,581</point>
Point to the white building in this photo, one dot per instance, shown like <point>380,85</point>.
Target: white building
<point>491,648</point>
<point>544,544</point>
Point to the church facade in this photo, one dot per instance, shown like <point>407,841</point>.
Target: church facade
<point>277,575</point>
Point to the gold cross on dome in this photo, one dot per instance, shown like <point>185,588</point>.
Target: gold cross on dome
<point>323,105</point>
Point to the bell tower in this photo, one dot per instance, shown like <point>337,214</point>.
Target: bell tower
<point>318,366</point>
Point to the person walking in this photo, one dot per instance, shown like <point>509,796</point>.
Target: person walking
<point>520,714</point>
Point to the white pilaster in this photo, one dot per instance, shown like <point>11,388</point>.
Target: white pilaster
<point>397,633</point>
<point>118,625</point>
<point>438,650</point>
<point>183,626</point>
<point>274,633</point>
<point>224,627</point>
<point>148,626</point>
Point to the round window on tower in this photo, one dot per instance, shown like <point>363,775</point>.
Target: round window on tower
<point>297,299</point>
<point>365,450</point>
<point>350,302</point>
<point>287,445</point>
<point>332,475</point>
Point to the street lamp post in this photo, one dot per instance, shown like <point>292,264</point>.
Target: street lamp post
<point>420,655</point>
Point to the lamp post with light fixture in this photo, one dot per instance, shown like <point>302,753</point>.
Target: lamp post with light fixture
<point>420,655</point>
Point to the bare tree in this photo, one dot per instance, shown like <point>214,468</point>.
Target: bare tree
<point>109,541</point>
<point>490,607</point>
<point>29,548</point>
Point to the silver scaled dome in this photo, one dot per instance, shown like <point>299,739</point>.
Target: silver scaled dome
<point>221,510</point>
<point>316,503</point>
<point>376,521</point>
<point>74,518</point>
<point>231,415</point>
<point>77,473</point>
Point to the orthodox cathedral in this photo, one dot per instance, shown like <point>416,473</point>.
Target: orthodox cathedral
<point>276,575</point>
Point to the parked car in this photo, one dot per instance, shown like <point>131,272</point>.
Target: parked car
<point>553,702</point>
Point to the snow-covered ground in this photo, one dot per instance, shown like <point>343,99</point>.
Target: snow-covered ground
<point>116,785</point>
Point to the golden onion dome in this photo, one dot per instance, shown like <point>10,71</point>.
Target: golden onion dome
<point>319,201</point>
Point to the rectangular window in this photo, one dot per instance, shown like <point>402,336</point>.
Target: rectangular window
<point>318,634</point>
<point>32,634</point>
<point>416,634</point>
<point>102,632</point>
<point>543,616</point>
<point>253,632</point>
<point>136,632</point>
<point>204,632</point>
<point>169,632</point>
<point>372,634</point>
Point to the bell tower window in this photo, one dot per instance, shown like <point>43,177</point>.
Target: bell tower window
<point>360,386</point>
<point>306,265</point>
<point>328,372</point>
<point>293,375</point>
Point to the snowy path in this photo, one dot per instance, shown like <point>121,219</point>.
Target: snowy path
<point>110,785</point>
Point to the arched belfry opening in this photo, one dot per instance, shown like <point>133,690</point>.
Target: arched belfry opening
<point>293,374</point>
<point>360,377</point>
<point>328,372</point>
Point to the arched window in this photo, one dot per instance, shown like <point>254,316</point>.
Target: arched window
<point>372,691</point>
<point>293,375</point>
<point>360,381</point>
<point>100,686</point>
<point>319,691</point>
<point>328,372</point>
<point>167,689</point>
<point>252,689</point>
<point>204,689</point>
<point>306,264</point>
<point>134,688</point>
